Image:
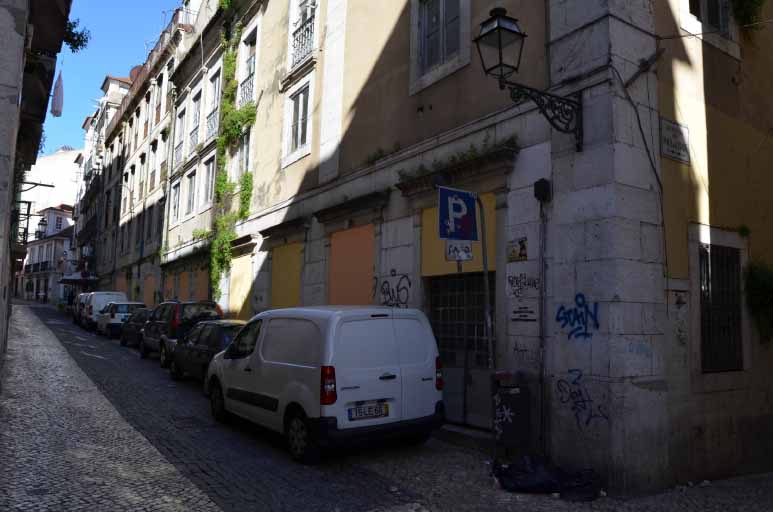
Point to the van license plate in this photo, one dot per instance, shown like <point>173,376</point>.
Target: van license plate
<point>369,411</point>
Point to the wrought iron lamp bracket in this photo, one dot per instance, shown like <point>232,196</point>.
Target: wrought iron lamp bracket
<point>564,114</point>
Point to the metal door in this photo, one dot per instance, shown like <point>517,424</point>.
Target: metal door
<point>457,316</point>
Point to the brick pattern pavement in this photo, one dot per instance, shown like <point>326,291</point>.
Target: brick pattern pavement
<point>102,427</point>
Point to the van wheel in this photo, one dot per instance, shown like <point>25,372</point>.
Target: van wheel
<point>217,403</point>
<point>163,357</point>
<point>300,442</point>
<point>143,350</point>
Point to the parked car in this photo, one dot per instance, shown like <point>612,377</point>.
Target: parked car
<point>78,307</point>
<point>324,376</point>
<point>94,304</point>
<point>131,333</point>
<point>111,318</point>
<point>195,350</point>
<point>172,320</point>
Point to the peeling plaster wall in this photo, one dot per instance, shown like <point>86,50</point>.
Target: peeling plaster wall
<point>13,29</point>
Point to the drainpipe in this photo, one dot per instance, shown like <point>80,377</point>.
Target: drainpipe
<point>543,194</point>
<point>169,168</point>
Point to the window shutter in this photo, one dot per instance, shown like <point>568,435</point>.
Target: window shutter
<point>452,28</point>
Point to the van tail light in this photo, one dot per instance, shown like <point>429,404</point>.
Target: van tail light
<point>327,386</point>
<point>219,310</point>
<point>112,315</point>
<point>438,374</point>
<point>91,310</point>
<point>176,318</point>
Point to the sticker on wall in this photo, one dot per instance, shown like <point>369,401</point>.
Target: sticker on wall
<point>518,250</point>
<point>458,250</point>
<point>524,314</point>
<point>675,141</point>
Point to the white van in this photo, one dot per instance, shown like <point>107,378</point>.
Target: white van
<point>94,304</point>
<point>329,375</point>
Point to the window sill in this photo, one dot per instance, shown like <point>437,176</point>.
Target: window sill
<point>438,73</point>
<point>726,43</point>
<point>298,154</point>
<point>299,71</point>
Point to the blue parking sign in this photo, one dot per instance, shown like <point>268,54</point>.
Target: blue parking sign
<point>458,215</point>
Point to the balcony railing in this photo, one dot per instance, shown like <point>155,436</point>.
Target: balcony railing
<point>213,120</point>
<point>178,153</point>
<point>36,267</point>
<point>28,268</point>
<point>44,266</point>
<point>194,140</point>
<point>246,90</point>
<point>303,40</point>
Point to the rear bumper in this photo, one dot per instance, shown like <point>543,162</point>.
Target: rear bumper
<point>328,433</point>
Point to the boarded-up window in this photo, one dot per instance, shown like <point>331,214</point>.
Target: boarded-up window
<point>286,275</point>
<point>351,266</point>
<point>239,304</point>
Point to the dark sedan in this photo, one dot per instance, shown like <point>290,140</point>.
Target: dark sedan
<point>130,333</point>
<point>193,353</point>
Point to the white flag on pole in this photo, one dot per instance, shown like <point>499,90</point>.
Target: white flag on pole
<point>58,100</point>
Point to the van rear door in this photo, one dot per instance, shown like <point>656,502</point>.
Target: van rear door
<point>417,351</point>
<point>368,378</point>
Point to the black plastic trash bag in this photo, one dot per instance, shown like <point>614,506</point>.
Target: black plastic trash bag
<point>536,475</point>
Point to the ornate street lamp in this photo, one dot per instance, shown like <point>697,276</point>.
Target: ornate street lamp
<point>500,46</point>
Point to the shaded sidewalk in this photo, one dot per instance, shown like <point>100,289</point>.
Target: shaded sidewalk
<point>63,446</point>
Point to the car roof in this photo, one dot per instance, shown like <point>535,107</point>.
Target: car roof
<point>127,302</point>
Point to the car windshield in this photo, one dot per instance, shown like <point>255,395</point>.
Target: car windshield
<point>199,310</point>
<point>228,333</point>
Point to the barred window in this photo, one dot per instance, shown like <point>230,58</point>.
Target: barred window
<point>720,289</point>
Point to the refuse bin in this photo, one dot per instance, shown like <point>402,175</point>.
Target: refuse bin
<point>512,415</point>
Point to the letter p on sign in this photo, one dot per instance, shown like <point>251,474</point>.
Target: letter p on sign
<point>457,214</point>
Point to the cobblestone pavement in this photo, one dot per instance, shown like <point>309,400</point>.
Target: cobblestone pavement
<point>71,434</point>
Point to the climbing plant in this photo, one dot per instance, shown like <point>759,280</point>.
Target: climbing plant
<point>748,12</point>
<point>233,121</point>
<point>759,296</point>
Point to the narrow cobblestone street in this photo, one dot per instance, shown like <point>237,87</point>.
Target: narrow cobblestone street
<point>87,425</point>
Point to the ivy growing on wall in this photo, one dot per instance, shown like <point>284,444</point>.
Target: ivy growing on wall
<point>233,121</point>
<point>748,12</point>
<point>759,297</point>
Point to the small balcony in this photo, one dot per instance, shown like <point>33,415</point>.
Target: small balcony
<point>28,268</point>
<point>303,41</point>
<point>178,153</point>
<point>213,120</point>
<point>36,267</point>
<point>246,90</point>
<point>44,266</point>
<point>193,141</point>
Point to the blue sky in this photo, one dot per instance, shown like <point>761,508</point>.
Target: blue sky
<point>122,33</point>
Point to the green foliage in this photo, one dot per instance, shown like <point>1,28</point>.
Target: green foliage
<point>748,12</point>
<point>759,296</point>
<point>226,4</point>
<point>245,195</point>
<point>381,153</point>
<point>233,122</point>
<point>76,39</point>
<point>744,231</point>
<point>201,234</point>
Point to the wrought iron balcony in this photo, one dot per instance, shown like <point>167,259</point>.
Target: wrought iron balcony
<point>44,266</point>
<point>246,90</point>
<point>194,140</point>
<point>28,268</point>
<point>213,120</point>
<point>36,267</point>
<point>178,153</point>
<point>303,40</point>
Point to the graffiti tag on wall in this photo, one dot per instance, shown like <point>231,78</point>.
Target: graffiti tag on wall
<point>573,393</point>
<point>519,283</point>
<point>394,291</point>
<point>580,319</point>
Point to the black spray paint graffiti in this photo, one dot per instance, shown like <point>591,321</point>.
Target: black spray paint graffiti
<point>521,282</point>
<point>573,392</point>
<point>581,319</point>
<point>395,291</point>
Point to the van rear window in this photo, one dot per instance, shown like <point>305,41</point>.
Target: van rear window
<point>292,341</point>
<point>413,340</point>
<point>365,344</point>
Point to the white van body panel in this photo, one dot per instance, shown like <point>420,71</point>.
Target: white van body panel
<point>98,300</point>
<point>371,365</point>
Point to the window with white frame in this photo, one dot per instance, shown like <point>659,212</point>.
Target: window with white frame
<point>244,153</point>
<point>440,40</point>
<point>58,223</point>
<point>176,201</point>
<point>209,183</point>
<point>191,198</point>
<point>712,22</point>
<point>302,38</point>
<point>714,13</point>
<point>299,112</point>
<point>438,32</point>
<point>214,91</point>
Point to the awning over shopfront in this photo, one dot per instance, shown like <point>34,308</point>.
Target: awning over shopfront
<point>78,278</point>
